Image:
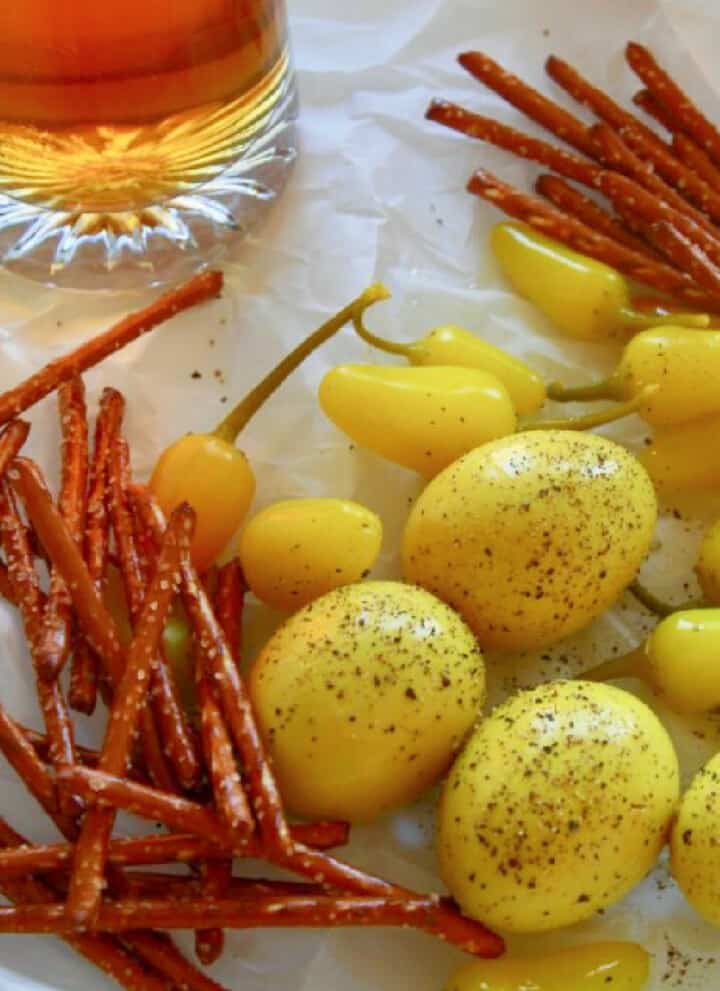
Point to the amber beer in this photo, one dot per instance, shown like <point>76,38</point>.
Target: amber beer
<point>116,104</point>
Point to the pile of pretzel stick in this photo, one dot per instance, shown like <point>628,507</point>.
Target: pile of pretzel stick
<point>209,782</point>
<point>661,225</point>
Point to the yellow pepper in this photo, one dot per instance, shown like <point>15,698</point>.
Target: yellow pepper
<point>294,551</point>
<point>421,418</point>
<point>708,565</point>
<point>680,659</point>
<point>210,473</point>
<point>683,365</point>
<point>584,298</point>
<point>685,457</point>
<point>594,967</point>
<point>453,345</point>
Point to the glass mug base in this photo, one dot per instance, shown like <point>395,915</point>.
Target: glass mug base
<point>130,205</point>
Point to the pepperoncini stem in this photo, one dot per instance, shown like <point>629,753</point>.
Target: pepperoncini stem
<point>636,320</point>
<point>656,605</point>
<point>390,347</point>
<point>608,388</point>
<point>591,420</point>
<point>632,665</point>
<point>238,417</point>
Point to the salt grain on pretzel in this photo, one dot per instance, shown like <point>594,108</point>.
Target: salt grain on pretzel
<point>664,88</point>
<point>86,882</point>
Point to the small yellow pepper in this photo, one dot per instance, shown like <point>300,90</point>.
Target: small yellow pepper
<point>593,967</point>
<point>421,418</point>
<point>685,457</point>
<point>210,473</point>
<point>683,364</point>
<point>294,551</point>
<point>584,298</point>
<point>453,345</point>
<point>680,659</point>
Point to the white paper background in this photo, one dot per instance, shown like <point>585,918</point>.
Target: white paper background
<point>377,194</point>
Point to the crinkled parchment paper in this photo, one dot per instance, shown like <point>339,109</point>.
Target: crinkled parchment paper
<point>377,194</point>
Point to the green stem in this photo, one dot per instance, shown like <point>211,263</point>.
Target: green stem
<point>238,417</point>
<point>636,320</point>
<point>390,347</point>
<point>594,419</point>
<point>656,605</point>
<point>605,389</point>
<point>632,665</point>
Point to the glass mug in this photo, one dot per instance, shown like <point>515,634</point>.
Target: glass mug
<point>138,136</point>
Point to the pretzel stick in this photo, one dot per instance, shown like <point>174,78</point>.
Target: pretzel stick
<point>616,153</point>
<point>97,623</point>
<point>640,139</point>
<point>41,745</point>
<point>529,101</point>
<point>285,911</point>
<point>667,92</point>
<point>27,593</point>
<point>538,215</point>
<point>12,439</point>
<point>21,756</point>
<point>85,755</point>
<point>171,810</point>
<point>84,670</point>
<point>197,290</point>
<point>686,253</point>
<point>54,639</point>
<point>5,587</point>
<point>641,206</point>
<point>522,145</point>
<point>86,882</point>
<point>102,951</point>
<point>571,201</point>
<point>169,715</point>
<point>138,851</point>
<point>153,948</point>
<point>116,881</point>
<point>235,704</point>
<point>684,147</point>
<point>177,813</point>
<point>142,884</point>
<point>227,786</point>
<point>162,953</point>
